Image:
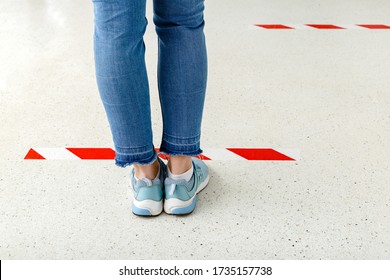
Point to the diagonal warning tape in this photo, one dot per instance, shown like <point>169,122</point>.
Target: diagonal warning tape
<point>323,26</point>
<point>68,153</point>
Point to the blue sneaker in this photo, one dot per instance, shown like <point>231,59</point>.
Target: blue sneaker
<point>180,195</point>
<point>148,194</point>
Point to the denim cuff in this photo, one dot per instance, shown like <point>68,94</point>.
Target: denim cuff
<point>129,156</point>
<point>180,146</point>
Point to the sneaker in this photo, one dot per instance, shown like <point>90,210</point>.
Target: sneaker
<point>148,194</point>
<point>180,195</point>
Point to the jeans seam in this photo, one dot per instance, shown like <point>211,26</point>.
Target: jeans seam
<point>182,144</point>
<point>181,137</point>
<point>134,153</point>
<point>137,147</point>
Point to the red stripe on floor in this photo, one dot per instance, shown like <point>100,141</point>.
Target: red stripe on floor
<point>93,153</point>
<point>325,26</point>
<point>274,26</point>
<point>32,154</point>
<point>259,154</point>
<point>374,26</point>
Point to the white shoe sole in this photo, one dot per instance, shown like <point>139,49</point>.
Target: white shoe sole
<point>147,207</point>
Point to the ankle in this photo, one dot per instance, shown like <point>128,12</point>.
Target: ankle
<point>185,175</point>
<point>150,171</point>
<point>179,164</point>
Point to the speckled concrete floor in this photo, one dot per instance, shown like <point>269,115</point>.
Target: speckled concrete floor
<point>324,92</point>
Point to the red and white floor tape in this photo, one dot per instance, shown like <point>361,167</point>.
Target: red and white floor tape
<point>69,153</point>
<point>323,26</point>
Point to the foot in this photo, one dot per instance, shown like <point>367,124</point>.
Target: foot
<point>148,194</point>
<point>180,195</point>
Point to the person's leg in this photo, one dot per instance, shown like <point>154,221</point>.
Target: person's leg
<point>119,53</point>
<point>182,78</point>
<point>179,164</point>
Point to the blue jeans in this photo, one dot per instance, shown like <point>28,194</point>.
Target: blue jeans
<point>119,54</point>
